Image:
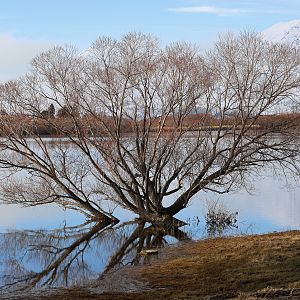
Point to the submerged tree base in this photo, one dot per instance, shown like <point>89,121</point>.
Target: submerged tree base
<point>164,221</point>
<point>104,219</point>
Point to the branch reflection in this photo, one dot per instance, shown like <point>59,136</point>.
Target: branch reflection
<point>73,255</point>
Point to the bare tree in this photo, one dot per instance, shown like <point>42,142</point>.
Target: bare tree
<point>146,127</point>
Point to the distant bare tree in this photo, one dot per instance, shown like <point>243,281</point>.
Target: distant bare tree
<point>51,111</point>
<point>147,124</point>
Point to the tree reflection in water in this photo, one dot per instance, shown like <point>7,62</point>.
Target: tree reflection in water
<point>73,255</point>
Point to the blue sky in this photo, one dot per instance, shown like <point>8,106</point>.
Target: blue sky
<point>29,26</point>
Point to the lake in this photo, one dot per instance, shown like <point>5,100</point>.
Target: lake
<point>48,245</point>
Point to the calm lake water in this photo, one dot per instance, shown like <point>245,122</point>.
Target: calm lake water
<point>34,240</point>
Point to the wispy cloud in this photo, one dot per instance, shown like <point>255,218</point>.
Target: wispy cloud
<point>228,12</point>
<point>219,11</point>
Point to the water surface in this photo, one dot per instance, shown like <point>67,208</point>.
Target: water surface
<point>48,245</point>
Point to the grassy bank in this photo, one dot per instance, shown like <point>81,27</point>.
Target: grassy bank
<point>246,267</point>
<point>228,265</point>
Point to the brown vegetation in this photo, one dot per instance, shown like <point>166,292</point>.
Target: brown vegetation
<point>223,265</point>
<point>61,126</point>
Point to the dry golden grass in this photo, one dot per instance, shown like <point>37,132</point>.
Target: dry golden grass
<point>238,264</point>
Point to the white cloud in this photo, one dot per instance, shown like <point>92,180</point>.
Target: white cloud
<point>16,53</point>
<point>230,12</point>
<point>211,10</point>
